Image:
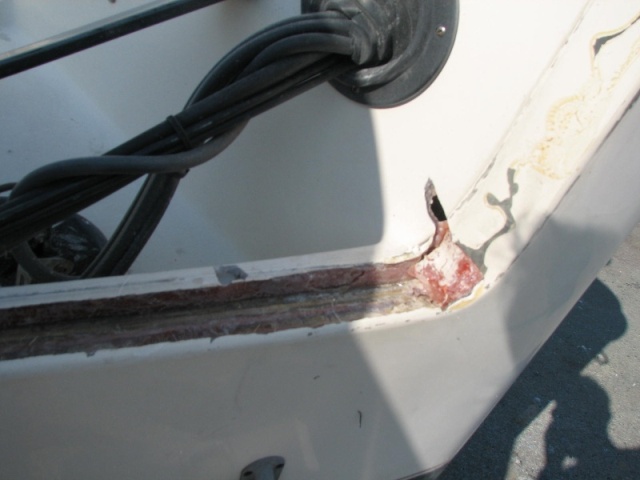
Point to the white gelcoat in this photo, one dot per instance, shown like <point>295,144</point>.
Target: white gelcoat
<point>378,398</point>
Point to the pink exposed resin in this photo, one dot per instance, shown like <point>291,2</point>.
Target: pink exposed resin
<point>446,273</point>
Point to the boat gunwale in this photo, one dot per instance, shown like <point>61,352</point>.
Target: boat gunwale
<point>308,299</point>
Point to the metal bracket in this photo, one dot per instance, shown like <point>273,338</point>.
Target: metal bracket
<point>268,468</point>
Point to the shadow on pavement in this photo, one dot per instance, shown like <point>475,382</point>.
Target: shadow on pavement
<point>576,442</point>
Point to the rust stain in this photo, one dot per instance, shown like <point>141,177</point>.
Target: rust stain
<point>446,272</point>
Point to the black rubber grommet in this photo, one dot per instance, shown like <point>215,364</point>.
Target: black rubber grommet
<point>423,36</point>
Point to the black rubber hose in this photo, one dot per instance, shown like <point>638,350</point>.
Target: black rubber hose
<point>20,220</point>
<point>143,217</point>
<point>135,165</point>
<point>162,137</point>
<point>125,245</point>
<point>265,70</point>
<point>303,43</point>
<point>5,187</point>
<point>233,63</point>
<point>137,226</point>
<point>217,119</point>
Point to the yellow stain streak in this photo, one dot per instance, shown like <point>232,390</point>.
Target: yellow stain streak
<point>469,299</point>
<point>571,122</point>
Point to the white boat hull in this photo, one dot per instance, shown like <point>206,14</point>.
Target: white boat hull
<point>530,137</point>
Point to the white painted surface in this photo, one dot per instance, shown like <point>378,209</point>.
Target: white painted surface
<point>379,398</point>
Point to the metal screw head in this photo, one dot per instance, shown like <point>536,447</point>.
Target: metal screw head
<point>441,30</point>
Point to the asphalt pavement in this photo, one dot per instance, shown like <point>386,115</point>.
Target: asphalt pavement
<point>574,413</point>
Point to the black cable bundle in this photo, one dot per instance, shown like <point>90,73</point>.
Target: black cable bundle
<point>267,69</point>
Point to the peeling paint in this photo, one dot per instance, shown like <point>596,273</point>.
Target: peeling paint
<point>587,88</point>
<point>504,207</point>
<point>446,273</point>
<point>603,37</point>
